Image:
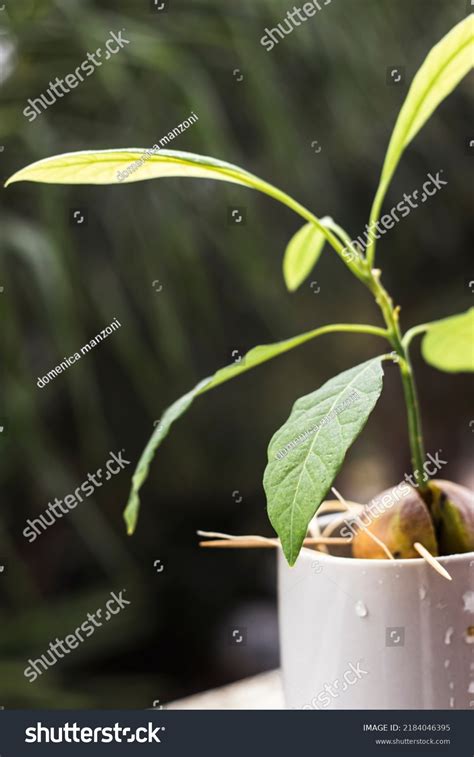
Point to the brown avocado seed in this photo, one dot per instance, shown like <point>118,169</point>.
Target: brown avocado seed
<point>452,507</point>
<point>398,517</point>
<point>442,520</point>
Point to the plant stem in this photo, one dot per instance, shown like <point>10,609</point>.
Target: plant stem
<point>414,420</point>
<point>354,262</point>
<point>411,333</point>
<point>361,267</point>
<point>228,372</point>
<point>390,314</point>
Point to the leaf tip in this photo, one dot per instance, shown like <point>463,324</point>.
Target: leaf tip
<point>130,514</point>
<point>291,285</point>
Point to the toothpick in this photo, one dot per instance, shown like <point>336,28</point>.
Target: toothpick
<point>431,560</point>
<point>229,541</point>
<point>340,498</point>
<point>218,535</point>
<point>351,508</point>
<point>369,533</point>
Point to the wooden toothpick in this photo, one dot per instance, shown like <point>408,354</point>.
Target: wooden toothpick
<point>426,555</point>
<point>361,525</point>
<point>216,539</point>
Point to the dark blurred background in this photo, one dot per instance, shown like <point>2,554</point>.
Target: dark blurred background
<point>220,290</point>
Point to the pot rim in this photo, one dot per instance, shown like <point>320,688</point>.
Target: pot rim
<point>327,517</point>
<point>386,564</point>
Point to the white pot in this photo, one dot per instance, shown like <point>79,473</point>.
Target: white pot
<point>376,634</point>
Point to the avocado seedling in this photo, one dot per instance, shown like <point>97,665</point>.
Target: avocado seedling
<point>308,450</point>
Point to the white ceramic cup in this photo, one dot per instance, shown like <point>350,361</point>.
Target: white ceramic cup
<point>376,634</point>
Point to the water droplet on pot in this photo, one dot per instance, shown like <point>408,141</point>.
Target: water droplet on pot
<point>447,663</point>
<point>470,635</point>
<point>451,702</point>
<point>471,687</point>
<point>468,599</point>
<point>361,609</point>
<point>380,581</point>
<point>449,633</point>
<point>451,685</point>
<point>422,592</point>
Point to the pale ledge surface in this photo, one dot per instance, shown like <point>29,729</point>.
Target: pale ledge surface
<point>261,692</point>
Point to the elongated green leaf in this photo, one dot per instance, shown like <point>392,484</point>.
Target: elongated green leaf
<point>136,164</point>
<point>301,254</point>
<point>253,358</point>
<point>108,167</point>
<point>449,343</point>
<point>442,70</point>
<point>175,411</point>
<point>306,453</point>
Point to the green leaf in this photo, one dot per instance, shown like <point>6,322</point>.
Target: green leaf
<point>301,254</point>
<point>108,166</point>
<point>442,70</point>
<point>175,411</point>
<point>449,343</point>
<point>253,358</point>
<point>103,167</point>
<point>306,453</point>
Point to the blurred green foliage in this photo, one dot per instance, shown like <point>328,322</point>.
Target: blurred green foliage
<point>222,291</point>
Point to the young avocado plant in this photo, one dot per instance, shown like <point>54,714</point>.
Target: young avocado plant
<point>306,453</point>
